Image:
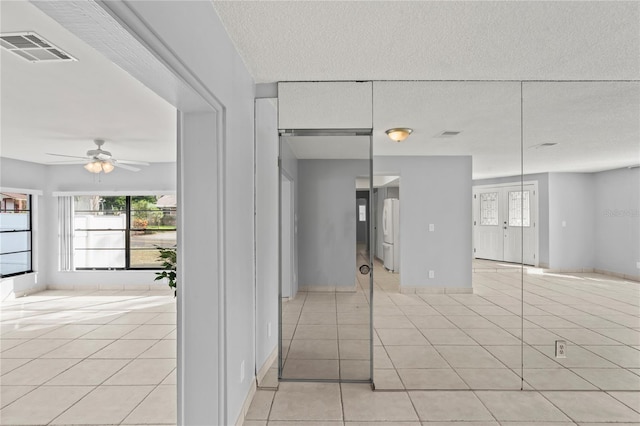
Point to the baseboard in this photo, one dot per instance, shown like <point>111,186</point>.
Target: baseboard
<point>618,275</point>
<point>12,295</point>
<point>435,290</point>
<point>109,287</point>
<point>247,403</point>
<point>570,270</point>
<point>267,365</point>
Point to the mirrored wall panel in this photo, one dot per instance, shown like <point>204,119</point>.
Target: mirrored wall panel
<point>451,217</point>
<point>582,308</point>
<point>325,241</point>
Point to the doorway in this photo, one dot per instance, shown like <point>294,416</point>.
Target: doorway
<point>505,223</point>
<point>362,219</point>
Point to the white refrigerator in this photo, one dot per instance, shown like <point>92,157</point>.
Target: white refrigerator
<point>391,234</point>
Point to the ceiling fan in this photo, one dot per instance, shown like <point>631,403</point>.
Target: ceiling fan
<point>98,160</point>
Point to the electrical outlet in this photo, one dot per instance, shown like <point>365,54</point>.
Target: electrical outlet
<point>564,223</point>
<point>269,330</point>
<point>638,265</point>
<point>561,349</point>
<point>242,371</point>
<point>432,274</point>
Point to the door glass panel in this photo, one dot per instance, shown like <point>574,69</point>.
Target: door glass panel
<point>519,214</point>
<point>489,208</point>
<point>324,243</point>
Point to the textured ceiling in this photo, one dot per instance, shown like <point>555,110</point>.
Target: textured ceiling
<point>61,107</point>
<point>596,125</point>
<point>423,40</point>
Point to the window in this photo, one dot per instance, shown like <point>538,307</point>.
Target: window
<point>489,208</point>
<point>15,234</point>
<point>519,212</point>
<point>122,232</point>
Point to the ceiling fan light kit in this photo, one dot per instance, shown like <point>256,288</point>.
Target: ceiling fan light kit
<point>99,160</point>
<point>99,166</point>
<point>398,134</point>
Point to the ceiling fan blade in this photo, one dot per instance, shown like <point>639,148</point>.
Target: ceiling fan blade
<point>67,162</point>
<point>124,166</point>
<point>69,156</point>
<point>139,163</point>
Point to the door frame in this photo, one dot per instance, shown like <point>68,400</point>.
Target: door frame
<point>533,206</point>
<point>289,204</point>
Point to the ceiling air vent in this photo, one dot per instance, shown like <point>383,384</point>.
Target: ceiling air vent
<point>544,145</point>
<point>33,48</point>
<point>448,134</point>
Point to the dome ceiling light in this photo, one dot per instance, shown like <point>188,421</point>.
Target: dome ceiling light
<point>398,134</point>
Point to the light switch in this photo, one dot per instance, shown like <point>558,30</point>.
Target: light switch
<point>432,227</point>
<point>564,223</point>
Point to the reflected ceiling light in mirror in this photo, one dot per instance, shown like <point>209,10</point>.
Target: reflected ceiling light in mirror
<point>99,166</point>
<point>398,134</point>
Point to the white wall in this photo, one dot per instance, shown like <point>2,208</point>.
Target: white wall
<point>601,211</point>
<point>159,177</point>
<point>617,221</point>
<point>195,35</point>
<point>266,187</point>
<point>435,190</point>
<point>571,221</point>
<point>189,37</point>
<point>200,354</point>
<point>327,221</point>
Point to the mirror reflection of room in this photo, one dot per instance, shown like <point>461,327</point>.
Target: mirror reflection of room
<point>516,230</point>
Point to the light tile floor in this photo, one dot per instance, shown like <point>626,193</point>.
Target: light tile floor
<point>457,359</point>
<point>109,357</point>
<point>102,357</point>
<point>472,341</point>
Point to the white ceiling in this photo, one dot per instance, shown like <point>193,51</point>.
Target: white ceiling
<point>61,107</point>
<point>595,125</point>
<point>429,40</point>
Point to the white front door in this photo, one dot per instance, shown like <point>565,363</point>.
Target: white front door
<point>505,225</point>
